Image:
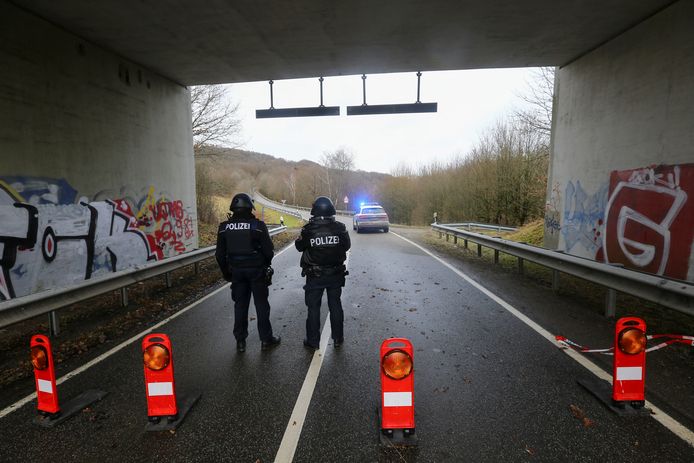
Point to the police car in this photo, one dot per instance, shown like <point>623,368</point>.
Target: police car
<point>371,216</point>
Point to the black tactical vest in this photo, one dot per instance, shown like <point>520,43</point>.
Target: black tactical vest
<point>326,243</point>
<point>242,238</point>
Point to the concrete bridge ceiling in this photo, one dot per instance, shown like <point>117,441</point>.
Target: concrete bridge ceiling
<point>213,41</point>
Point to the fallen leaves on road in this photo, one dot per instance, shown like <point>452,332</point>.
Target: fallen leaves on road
<point>581,416</point>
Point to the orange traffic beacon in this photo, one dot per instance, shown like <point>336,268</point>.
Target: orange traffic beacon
<point>44,375</point>
<point>397,388</point>
<point>629,374</point>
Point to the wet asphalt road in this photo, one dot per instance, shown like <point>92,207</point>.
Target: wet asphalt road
<point>487,387</point>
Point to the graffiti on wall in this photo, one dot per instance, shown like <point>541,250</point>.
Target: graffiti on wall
<point>50,238</point>
<point>553,215</point>
<point>650,221</point>
<point>583,219</point>
<point>641,218</point>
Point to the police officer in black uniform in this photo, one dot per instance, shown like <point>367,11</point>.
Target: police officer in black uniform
<point>324,243</point>
<point>244,254</point>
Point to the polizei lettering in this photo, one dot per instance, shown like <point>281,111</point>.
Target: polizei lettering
<point>238,226</point>
<point>324,241</point>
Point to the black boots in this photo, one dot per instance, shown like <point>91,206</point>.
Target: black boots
<point>270,343</point>
<point>241,345</point>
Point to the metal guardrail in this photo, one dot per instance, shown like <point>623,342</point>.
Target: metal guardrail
<point>277,206</point>
<point>26,307</point>
<point>289,208</point>
<point>676,294</point>
<point>483,226</point>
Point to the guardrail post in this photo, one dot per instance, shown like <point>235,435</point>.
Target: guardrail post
<point>124,297</point>
<point>53,324</point>
<point>555,281</point>
<point>520,266</point>
<point>479,250</point>
<point>455,240</point>
<point>197,268</point>
<point>465,241</point>
<point>447,236</point>
<point>167,275</point>
<point>496,256</point>
<point>611,303</point>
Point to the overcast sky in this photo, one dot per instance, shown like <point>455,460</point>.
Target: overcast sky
<point>468,103</point>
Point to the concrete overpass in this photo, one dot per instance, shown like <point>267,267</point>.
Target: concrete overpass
<point>201,43</point>
<point>95,118</point>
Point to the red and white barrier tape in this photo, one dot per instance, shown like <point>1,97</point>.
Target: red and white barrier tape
<point>671,339</point>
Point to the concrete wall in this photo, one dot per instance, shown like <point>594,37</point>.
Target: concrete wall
<point>97,150</point>
<point>621,181</point>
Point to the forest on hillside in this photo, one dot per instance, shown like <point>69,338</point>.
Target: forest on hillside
<point>225,171</point>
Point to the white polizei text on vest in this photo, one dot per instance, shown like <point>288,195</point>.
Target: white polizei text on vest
<point>238,226</point>
<point>324,240</point>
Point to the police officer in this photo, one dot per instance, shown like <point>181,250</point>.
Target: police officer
<point>244,254</point>
<point>324,243</point>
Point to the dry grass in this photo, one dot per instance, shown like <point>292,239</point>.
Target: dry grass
<point>531,233</point>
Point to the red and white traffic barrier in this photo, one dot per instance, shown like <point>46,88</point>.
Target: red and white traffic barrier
<point>44,375</point>
<point>629,367</point>
<point>397,387</point>
<point>52,414</point>
<point>629,351</point>
<point>159,377</point>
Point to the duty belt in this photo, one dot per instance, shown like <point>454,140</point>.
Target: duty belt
<point>324,270</point>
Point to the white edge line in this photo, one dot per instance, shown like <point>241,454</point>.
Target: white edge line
<point>290,439</point>
<point>659,415</point>
<point>21,402</point>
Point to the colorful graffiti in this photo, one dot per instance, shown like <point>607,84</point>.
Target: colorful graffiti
<point>649,222</point>
<point>642,219</point>
<point>49,238</point>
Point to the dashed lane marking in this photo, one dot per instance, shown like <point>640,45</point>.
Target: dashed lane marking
<point>21,402</point>
<point>290,440</point>
<point>659,415</point>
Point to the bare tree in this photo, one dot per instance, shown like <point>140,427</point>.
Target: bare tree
<point>337,165</point>
<point>215,117</point>
<point>540,98</point>
<point>290,181</point>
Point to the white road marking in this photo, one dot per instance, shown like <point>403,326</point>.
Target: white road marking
<point>659,415</point>
<point>21,402</point>
<point>285,453</point>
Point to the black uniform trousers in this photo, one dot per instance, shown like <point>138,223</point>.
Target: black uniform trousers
<point>244,282</point>
<point>313,295</point>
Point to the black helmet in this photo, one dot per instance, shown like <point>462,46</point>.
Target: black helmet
<point>322,207</point>
<point>241,201</point>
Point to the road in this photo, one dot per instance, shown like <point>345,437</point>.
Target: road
<point>487,386</point>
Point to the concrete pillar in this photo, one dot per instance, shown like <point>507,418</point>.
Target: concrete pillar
<point>622,137</point>
<point>96,143</point>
